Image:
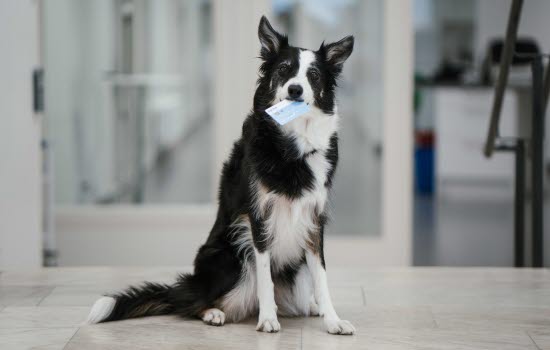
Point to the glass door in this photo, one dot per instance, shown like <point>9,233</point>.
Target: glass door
<point>127,100</point>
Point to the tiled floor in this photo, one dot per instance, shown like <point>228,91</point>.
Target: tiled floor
<point>405,308</point>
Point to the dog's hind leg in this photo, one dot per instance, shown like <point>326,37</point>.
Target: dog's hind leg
<point>314,307</point>
<point>297,300</point>
<point>303,291</point>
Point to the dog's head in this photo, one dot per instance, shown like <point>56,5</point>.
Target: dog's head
<point>293,73</point>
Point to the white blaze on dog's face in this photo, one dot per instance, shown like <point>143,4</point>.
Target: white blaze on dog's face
<point>298,74</point>
<point>298,87</point>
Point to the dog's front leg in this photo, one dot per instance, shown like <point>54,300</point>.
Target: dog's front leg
<point>267,320</point>
<point>333,323</point>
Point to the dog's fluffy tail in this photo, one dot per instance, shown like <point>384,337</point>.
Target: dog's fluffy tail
<point>150,299</point>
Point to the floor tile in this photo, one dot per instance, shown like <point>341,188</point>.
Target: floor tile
<point>541,337</point>
<point>181,334</point>
<point>365,317</point>
<point>75,296</point>
<point>491,318</point>
<point>346,295</point>
<point>42,317</point>
<point>84,276</point>
<point>408,339</point>
<point>23,295</point>
<point>35,338</point>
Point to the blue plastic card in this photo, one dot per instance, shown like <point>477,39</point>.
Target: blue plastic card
<point>286,111</point>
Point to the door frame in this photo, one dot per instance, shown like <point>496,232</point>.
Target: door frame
<point>20,137</point>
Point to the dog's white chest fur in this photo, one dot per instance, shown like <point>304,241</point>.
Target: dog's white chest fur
<point>289,222</point>
<point>312,130</point>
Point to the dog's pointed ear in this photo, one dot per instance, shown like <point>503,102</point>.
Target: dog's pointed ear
<point>338,52</point>
<point>269,38</point>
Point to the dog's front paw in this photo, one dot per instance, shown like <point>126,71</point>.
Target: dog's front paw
<point>269,325</point>
<point>339,327</point>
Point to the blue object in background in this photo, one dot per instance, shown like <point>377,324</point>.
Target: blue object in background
<point>424,159</point>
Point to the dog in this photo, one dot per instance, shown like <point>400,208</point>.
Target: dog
<point>264,255</point>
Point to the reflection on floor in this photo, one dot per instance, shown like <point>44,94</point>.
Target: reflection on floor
<point>462,232</point>
<point>408,308</point>
<point>182,176</point>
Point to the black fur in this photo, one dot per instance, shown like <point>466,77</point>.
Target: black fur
<point>266,154</point>
<point>150,298</point>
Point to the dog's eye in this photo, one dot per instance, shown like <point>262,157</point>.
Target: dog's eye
<point>314,75</point>
<point>283,68</point>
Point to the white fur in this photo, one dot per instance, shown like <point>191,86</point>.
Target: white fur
<point>267,320</point>
<point>288,225</point>
<point>313,307</point>
<point>242,237</point>
<point>214,317</point>
<point>291,221</point>
<point>101,310</point>
<point>242,300</point>
<point>339,327</point>
<point>296,301</point>
<point>333,323</point>
<point>312,130</point>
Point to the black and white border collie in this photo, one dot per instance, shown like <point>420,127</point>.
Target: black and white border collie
<point>264,254</point>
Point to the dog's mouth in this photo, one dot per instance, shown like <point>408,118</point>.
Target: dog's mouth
<point>299,99</point>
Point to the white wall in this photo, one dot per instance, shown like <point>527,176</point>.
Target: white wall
<point>20,133</point>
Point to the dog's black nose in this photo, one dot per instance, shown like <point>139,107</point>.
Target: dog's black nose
<point>295,91</point>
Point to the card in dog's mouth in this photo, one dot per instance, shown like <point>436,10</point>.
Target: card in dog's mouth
<point>286,111</point>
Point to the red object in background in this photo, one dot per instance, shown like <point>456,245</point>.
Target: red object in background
<point>424,138</point>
